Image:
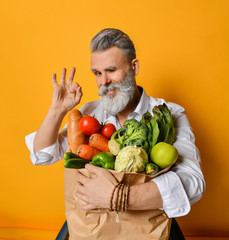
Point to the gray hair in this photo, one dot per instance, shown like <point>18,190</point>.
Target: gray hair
<point>110,37</point>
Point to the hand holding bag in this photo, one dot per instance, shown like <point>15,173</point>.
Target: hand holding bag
<point>101,223</point>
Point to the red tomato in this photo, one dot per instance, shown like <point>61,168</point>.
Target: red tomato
<point>107,130</point>
<point>89,125</point>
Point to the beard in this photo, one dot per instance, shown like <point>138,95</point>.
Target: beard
<point>115,104</point>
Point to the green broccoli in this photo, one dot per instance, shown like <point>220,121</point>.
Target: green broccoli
<point>131,126</point>
<point>133,133</point>
<point>137,134</point>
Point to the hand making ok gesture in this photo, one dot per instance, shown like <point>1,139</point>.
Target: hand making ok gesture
<point>66,95</point>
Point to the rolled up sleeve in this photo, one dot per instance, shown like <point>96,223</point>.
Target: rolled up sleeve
<point>50,154</point>
<point>175,200</point>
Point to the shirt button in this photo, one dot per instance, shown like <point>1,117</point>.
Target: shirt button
<point>181,209</point>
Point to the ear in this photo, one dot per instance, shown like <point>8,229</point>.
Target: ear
<point>135,66</point>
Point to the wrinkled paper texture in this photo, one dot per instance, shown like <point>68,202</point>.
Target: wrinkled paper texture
<point>101,223</point>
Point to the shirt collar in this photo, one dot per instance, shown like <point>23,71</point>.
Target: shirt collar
<point>142,105</point>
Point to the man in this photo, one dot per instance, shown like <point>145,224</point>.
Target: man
<point>114,64</point>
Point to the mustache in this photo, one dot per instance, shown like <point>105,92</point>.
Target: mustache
<point>110,87</point>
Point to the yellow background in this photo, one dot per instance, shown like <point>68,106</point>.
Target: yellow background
<point>184,57</point>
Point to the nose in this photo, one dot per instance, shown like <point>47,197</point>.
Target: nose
<point>105,79</point>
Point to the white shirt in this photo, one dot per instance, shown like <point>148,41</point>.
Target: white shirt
<point>181,187</point>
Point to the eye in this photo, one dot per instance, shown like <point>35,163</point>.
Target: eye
<point>97,73</point>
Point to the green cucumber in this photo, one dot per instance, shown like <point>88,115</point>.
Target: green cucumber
<point>75,163</point>
<point>69,155</point>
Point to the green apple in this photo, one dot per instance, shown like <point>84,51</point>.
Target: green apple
<point>164,154</point>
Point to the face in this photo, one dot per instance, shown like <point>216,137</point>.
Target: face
<point>109,66</point>
<point>115,78</point>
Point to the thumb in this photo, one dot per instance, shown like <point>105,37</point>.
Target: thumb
<point>75,87</point>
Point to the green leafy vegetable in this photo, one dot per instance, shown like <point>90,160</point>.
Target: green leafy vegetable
<point>160,125</point>
<point>165,124</point>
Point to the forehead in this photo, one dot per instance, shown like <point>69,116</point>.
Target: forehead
<point>110,57</point>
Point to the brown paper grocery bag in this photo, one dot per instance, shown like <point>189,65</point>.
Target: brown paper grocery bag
<point>101,223</point>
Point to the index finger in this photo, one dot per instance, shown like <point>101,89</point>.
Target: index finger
<point>71,76</point>
<point>101,171</point>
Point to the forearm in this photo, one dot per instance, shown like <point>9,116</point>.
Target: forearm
<point>145,196</point>
<point>47,134</point>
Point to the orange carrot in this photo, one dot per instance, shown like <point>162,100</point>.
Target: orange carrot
<point>68,148</point>
<point>75,136</point>
<point>86,152</point>
<point>99,142</point>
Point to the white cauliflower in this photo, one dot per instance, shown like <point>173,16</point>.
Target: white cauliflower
<point>131,159</point>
